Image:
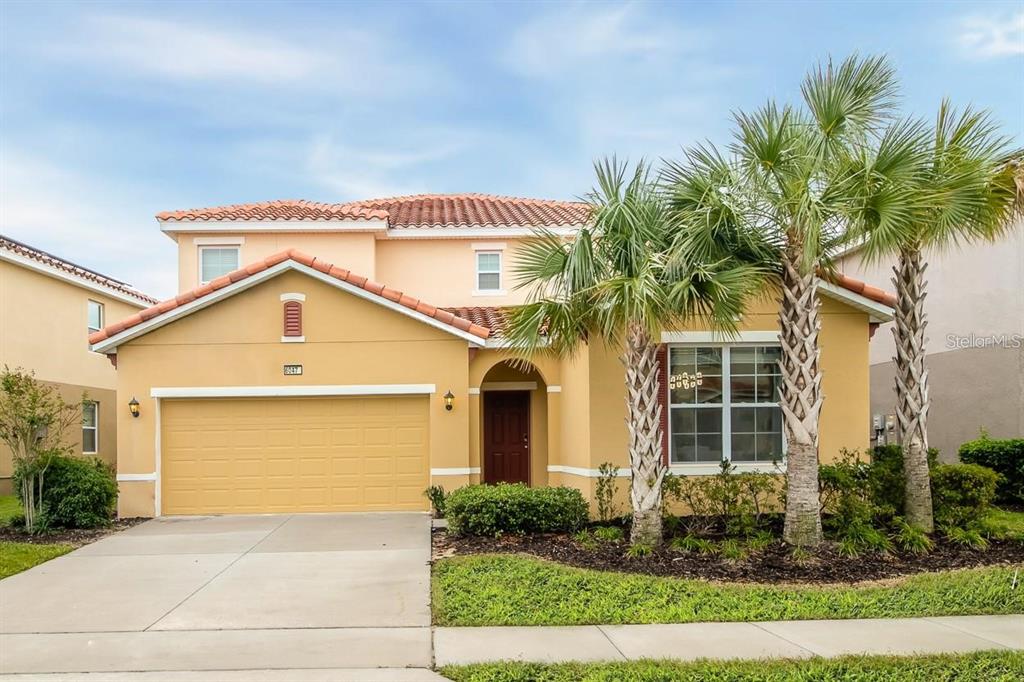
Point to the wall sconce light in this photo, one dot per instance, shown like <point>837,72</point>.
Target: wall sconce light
<point>449,401</point>
<point>133,407</point>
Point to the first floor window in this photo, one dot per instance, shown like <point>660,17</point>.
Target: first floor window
<point>95,316</point>
<point>90,428</point>
<point>723,404</point>
<point>488,270</point>
<point>216,261</point>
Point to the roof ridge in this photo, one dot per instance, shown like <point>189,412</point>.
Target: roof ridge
<point>503,198</point>
<point>70,267</point>
<point>329,269</point>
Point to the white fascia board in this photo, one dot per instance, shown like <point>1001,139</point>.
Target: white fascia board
<point>236,226</point>
<point>877,312</point>
<point>227,240</point>
<point>305,391</point>
<point>57,273</point>
<point>113,342</point>
<point>720,337</point>
<point>510,231</point>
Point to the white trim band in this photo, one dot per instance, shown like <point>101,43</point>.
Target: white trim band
<point>474,391</point>
<point>554,389</point>
<point>677,469</point>
<point>294,297</point>
<point>720,337</point>
<point>136,477</point>
<point>455,471</point>
<point>290,391</point>
<point>293,339</point>
<point>624,472</point>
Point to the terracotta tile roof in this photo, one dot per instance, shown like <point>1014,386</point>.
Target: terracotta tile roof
<point>57,263</point>
<point>455,210</point>
<point>283,209</point>
<point>421,210</point>
<point>864,289</point>
<point>493,318</point>
<point>342,274</point>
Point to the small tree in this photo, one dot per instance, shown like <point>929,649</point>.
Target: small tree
<point>33,421</point>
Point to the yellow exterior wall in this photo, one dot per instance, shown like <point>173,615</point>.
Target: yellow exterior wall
<point>44,328</point>
<point>237,343</point>
<point>351,250</point>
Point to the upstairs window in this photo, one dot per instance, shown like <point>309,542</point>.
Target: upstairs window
<point>95,316</point>
<point>488,271</point>
<point>216,261</point>
<point>90,428</point>
<point>724,404</point>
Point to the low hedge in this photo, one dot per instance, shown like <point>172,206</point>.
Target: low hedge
<point>962,493</point>
<point>1006,457</point>
<point>515,508</point>
<point>78,492</point>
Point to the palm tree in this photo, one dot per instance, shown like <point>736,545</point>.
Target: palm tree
<point>792,184</point>
<point>615,283</point>
<point>966,192</point>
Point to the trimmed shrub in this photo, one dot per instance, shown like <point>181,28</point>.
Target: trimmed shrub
<point>1005,457</point>
<point>78,492</point>
<point>515,508</point>
<point>885,478</point>
<point>962,493</point>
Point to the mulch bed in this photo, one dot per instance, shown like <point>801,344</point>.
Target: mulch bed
<point>772,565</point>
<point>70,536</point>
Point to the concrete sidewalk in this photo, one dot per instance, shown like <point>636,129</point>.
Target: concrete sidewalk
<point>690,641</point>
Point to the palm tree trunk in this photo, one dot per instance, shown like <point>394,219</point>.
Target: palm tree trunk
<point>801,400</point>
<point>643,421</point>
<point>912,401</point>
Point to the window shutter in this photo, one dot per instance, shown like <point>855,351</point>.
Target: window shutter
<point>292,318</point>
<point>663,398</point>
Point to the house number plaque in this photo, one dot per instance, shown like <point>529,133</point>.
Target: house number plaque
<point>292,370</point>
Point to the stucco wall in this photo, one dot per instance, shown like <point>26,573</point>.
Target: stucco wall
<point>237,343</point>
<point>44,328</point>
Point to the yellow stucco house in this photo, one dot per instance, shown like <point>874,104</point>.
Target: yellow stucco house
<point>48,307</point>
<point>285,378</point>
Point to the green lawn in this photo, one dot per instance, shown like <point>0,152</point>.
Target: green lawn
<point>16,557</point>
<point>990,666</point>
<point>9,508</point>
<point>1007,525</point>
<point>516,590</point>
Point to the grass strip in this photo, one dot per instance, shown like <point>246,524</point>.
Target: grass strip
<point>517,590</point>
<point>16,557</point>
<point>996,666</point>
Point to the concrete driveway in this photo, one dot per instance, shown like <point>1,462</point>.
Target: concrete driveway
<point>326,592</point>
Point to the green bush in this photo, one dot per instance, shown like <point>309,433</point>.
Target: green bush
<point>737,502</point>
<point>962,493</point>
<point>78,492</point>
<point>885,478</point>
<point>438,498</point>
<point>1005,457</point>
<point>515,508</point>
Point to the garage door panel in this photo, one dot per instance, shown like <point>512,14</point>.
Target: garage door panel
<point>294,455</point>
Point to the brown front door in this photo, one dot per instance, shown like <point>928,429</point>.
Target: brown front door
<point>507,437</point>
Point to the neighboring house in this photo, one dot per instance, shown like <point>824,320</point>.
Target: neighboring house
<point>48,307</point>
<point>284,378</point>
<point>975,342</point>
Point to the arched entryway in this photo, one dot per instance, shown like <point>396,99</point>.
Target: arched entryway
<point>513,425</point>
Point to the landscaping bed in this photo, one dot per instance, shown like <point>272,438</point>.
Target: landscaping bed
<point>997,666</point>
<point>772,563</point>
<point>75,537</point>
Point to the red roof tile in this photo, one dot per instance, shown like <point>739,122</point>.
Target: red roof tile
<point>866,290</point>
<point>57,263</point>
<point>310,261</point>
<point>421,210</point>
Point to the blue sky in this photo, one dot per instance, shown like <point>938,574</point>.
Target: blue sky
<point>110,113</point>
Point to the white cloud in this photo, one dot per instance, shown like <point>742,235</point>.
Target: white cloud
<point>579,36</point>
<point>102,227</point>
<point>991,37</point>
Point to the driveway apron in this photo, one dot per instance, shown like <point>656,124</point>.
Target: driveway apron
<point>227,593</point>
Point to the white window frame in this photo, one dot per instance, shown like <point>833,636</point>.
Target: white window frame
<point>95,428</point>
<point>221,247</point>
<point>88,314</point>
<point>499,291</point>
<point>726,406</point>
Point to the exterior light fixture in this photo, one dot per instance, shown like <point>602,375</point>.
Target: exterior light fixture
<point>133,407</point>
<point>449,401</point>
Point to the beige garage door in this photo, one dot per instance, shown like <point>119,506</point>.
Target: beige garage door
<point>224,456</point>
